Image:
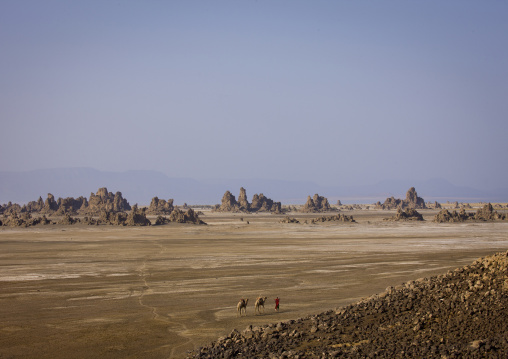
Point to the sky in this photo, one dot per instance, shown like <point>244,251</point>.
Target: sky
<point>334,92</point>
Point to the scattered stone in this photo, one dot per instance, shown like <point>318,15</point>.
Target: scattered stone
<point>456,315</point>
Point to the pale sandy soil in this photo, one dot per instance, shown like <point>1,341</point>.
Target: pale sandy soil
<point>158,292</point>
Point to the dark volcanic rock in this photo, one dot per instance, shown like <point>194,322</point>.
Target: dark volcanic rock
<point>461,314</point>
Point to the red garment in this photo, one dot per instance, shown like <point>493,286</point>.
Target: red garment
<point>276,303</point>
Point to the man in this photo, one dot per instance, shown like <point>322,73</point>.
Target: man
<point>277,304</point>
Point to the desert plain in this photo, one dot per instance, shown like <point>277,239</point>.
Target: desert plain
<point>161,291</point>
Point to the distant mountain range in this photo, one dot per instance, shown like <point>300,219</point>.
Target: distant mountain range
<point>141,186</point>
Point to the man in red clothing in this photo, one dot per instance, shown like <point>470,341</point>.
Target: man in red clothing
<point>277,304</point>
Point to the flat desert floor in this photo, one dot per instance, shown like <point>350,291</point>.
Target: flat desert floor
<point>161,291</point>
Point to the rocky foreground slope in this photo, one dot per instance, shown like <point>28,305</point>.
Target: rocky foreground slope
<point>461,314</point>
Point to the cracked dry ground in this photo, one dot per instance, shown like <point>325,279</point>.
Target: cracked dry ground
<point>160,292</point>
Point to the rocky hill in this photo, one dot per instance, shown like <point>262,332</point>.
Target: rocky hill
<point>461,314</point>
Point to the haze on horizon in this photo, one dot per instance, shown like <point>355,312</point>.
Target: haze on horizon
<point>334,92</point>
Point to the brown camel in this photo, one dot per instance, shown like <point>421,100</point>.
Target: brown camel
<point>260,302</point>
<point>242,304</point>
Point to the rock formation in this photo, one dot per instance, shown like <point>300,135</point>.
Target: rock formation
<point>336,218</point>
<point>71,205</point>
<point>24,219</point>
<point>137,217</point>
<point>260,203</point>
<point>68,220</point>
<point>160,206</point>
<point>454,216</point>
<point>228,203</point>
<point>50,205</point>
<point>412,201</point>
<point>409,214</point>
<point>10,208</point>
<point>243,203</point>
<point>461,314</point>
<point>179,216</point>
<point>107,201</point>
<point>486,213</point>
<point>288,219</point>
<point>34,206</point>
<point>160,220</point>
<point>316,204</point>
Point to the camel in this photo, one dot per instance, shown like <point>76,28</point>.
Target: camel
<point>242,304</point>
<point>260,302</point>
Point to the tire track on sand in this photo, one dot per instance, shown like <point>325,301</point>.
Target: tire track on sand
<point>147,290</point>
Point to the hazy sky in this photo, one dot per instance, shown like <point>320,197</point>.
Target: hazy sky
<point>336,92</point>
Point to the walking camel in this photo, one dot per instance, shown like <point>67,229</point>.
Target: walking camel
<point>260,302</point>
<point>242,304</point>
